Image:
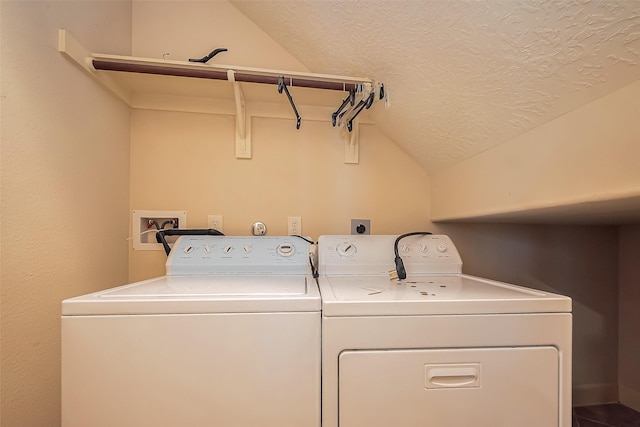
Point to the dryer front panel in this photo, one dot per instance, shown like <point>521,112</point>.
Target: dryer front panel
<point>483,387</point>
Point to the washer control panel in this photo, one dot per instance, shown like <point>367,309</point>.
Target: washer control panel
<point>276,255</point>
<point>374,254</point>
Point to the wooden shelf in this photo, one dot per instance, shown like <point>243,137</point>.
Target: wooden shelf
<point>197,87</point>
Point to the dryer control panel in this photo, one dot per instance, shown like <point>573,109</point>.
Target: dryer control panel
<point>279,255</point>
<point>374,254</point>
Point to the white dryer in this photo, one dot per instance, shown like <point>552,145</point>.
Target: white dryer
<point>230,337</point>
<point>438,348</point>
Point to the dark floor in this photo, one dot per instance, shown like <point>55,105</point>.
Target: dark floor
<point>609,415</point>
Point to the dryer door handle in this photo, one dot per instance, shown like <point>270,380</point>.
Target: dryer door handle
<point>452,376</point>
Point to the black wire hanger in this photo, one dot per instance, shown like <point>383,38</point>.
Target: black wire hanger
<point>283,87</point>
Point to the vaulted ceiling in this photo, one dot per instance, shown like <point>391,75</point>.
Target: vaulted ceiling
<point>463,76</point>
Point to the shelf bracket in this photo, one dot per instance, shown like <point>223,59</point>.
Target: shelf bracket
<point>77,53</point>
<point>352,146</point>
<point>243,142</point>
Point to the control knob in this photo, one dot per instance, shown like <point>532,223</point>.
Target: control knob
<point>346,249</point>
<point>286,249</point>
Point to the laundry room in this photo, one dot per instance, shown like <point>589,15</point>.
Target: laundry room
<point>533,174</point>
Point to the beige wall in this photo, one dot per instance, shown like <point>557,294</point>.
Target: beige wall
<point>65,174</point>
<point>65,152</point>
<point>582,165</point>
<point>186,161</point>
<point>629,316</point>
<point>192,28</point>
<point>302,173</point>
<point>587,155</point>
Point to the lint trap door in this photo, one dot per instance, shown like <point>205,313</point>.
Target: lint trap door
<point>484,387</point>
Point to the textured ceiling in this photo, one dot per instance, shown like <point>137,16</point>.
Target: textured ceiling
<point>463,76</point>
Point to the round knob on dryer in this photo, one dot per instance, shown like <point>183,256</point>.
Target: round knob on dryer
<point>346,249</point>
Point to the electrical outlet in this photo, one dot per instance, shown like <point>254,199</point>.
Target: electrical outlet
<point>146,222</point>
<point>360,226</point>
<point>295,226</point>
<point>215,221</point>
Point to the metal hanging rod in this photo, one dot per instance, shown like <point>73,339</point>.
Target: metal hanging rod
<point>218,74</point>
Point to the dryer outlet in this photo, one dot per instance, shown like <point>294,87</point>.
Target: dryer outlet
<point>146,221</point>
<point>360,226</point>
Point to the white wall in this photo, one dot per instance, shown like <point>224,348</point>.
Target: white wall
<point>65,175</point>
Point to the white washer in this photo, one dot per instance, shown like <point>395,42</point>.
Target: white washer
<point>229,337</point>
<point>439,348</point>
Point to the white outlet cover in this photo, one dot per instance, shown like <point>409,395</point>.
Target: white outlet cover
<point>294,225</point>
<point>212,220</point>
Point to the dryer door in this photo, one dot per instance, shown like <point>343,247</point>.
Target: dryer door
<point>481,387</point>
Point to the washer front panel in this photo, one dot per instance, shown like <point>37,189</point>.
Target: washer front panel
<point>191,370</point>
<point>229,337</point>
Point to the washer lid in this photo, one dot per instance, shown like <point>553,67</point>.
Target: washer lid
<point>201,294</point>
<point>432,295</point>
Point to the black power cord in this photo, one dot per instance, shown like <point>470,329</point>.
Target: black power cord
<point>303,238</point>
<point>314,269</point>
<point>184,232</point>
<point>402,273</point>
